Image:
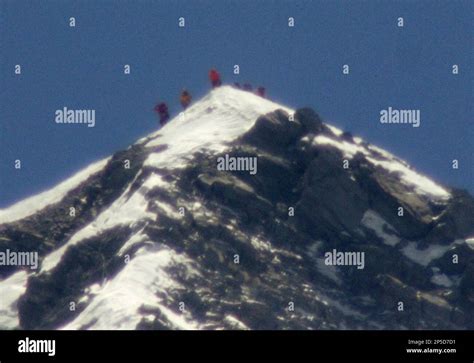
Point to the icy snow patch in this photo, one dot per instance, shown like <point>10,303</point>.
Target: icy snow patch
<point>10,291</point>
<point>422,184</point>
<point>260,244</point>
<point>235,323</point>
<point>168,209</point>
<point>37,202</point>
<point>335,130</point>
<point>124,211</point>
<point>141,282</point>
<point>470,242</point>
<point>440,279</point>
<point>348,149</point>
<point>137,238</point>
<point>221,116</point>
<point>156,180</point>
<point>424,257</point>
<point>372,220</point>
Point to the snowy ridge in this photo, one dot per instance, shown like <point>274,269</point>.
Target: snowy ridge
<point>218,118</point>
<point>37,202</point>
<point>389,162</point>
<point>124,211</point>
<point>226,113</point>
<point>141,281</point>
<point>10,291</point>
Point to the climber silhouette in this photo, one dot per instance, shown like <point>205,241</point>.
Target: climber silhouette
<point>261,91</point>
<point>215,78</point>
<point>162,110</point>
<point>185,98</point>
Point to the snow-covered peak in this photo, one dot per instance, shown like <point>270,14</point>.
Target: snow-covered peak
<point>162,251</point>
<point>222,115</point>
<point>210,124</point>
<point>219,117</point>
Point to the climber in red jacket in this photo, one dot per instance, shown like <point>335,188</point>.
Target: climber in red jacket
<point>215,78</point>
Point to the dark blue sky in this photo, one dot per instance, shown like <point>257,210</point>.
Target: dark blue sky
<point>82,68</point>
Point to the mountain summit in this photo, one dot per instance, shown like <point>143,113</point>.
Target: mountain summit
<point>330,232</point>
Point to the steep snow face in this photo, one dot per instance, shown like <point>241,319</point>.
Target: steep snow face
<point>143,282</point>
<point>38,202</point>
<point>220,117</point>
<point>10,291</point>
<point>124,211</point>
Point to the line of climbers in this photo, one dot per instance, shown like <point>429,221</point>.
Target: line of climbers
<point>185,98</point>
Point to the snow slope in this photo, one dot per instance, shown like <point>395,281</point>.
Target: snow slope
<point>37,202</point>
<point>220,117</point>
<point>387,161</point>
<point>144,280</point>
<point>10,291</point>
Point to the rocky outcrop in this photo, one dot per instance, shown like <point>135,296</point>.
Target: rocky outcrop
<point>51,227</point>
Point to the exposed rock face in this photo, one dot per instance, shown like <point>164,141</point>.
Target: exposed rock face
<point>248,256</point>
<point>53,226</point>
